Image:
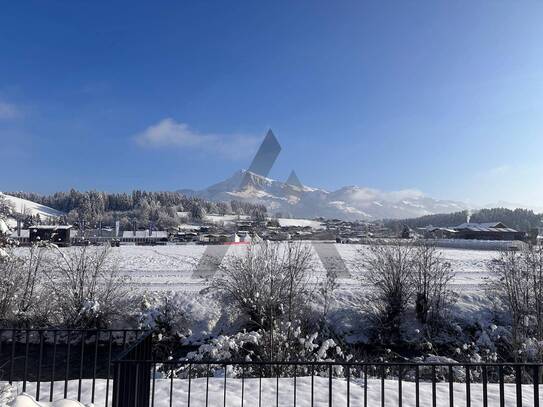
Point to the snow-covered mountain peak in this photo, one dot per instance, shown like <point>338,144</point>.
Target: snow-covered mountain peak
<point>350,202</point>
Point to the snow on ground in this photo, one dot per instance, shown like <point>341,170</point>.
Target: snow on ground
<point>173,267</point>
<point>26,207</point>
<point>314,224</point>
<point>225,219</point>
<point>268,393</point>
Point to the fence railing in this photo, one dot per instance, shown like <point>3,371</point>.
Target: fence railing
<point>117,368</point>
<point>52,364</point>
<point>267,384</point>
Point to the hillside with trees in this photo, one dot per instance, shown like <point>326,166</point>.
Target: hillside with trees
<point>140,207</point>
<point>520,219</point>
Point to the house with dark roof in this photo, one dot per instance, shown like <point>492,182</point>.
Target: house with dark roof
<point>57,234</point>
<point>487,231</point>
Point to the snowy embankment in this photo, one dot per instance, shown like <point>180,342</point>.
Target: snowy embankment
<point>269,393</point>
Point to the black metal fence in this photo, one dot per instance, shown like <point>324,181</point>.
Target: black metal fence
<point>117,368</point>
<point>266,384</point>
<point>52,364</point>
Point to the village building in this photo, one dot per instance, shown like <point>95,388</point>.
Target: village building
<point>145,237</point>
<point>487,231</point>
<point>57,234</point>
<point>21,236</point>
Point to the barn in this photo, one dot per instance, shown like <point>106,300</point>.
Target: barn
<point>145,237</point>
<point>57,234</point>
<point>487,231</point>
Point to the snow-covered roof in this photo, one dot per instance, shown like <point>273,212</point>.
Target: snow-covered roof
<point>186,226</point>
<point>25,234</point>
<point>51,227</point>
<point>144,234</point>
<point>485,227</point>
<point>314,224</point>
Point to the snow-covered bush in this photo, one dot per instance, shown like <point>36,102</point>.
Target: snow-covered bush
<point>87,289</point>
<point>408,284</point>
<point>518,284</point>
<point>164,315</point>
<point>290,344</point>
<point>388,270</point>
<point>268,284</point>
<point>431,277</point>
<point>23,301</point>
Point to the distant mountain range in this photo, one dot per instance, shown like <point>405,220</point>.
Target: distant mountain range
<point>291,198</point>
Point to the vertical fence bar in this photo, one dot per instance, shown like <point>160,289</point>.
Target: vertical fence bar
<point>518,381</point>
<point>171,385</point>
<point>96,343</point>
<point>188,396</point>
<point>330,385</point>
<point>208,372</point>
<point>53,368</point>
<point>26,360</point>
<point>365,385</point>
<point>400,398</point>
<point>295,374</point>
<point>81,364</point>
<point>12,359</point>
<point>485,387</point>
<point>502,386</point>
<point>242,384</point>
<point>417,383</point>
<point>468,386</point>
<point>535,379</point>
<point>260,386</point>
<point>276,386</point>
<point>67,375</point>
<point>108,374</point>
<point>312,385</point>
<point>40,360</point>
<point>451,386</point>
<point>153,386</point>
<point>382,385</point>
<point>348,386</point>
<point>225,374</point>
<point>434,402</point>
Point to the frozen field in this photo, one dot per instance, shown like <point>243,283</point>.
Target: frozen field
<point>188,268</point>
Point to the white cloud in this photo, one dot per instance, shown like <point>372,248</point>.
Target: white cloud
<point>168,133</point>
<point>8,111</point>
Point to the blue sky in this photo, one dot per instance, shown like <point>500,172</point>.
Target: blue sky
<point>441,96</point>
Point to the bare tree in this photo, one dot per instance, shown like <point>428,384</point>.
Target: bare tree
<point>518,284</point>
<point>88,289</point>
<point>431,277</point>
<point>21,293</point>
<point>511,284</point>
<point>387,269</point>
<point>269,284</point>
<point>533,256</point>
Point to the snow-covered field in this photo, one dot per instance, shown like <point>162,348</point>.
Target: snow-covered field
<point>182,270</point>
<point>268,392</point>
<point>178,268</point>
